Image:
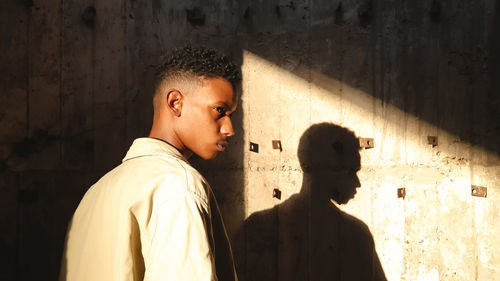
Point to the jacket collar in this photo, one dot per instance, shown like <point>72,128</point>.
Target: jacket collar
<point>152,147</point>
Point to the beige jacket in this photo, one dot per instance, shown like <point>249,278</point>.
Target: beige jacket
<point>154,217</point>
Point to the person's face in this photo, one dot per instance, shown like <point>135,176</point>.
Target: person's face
<point>345,183</point>
<point>206,113</point>
<point>340,181</point>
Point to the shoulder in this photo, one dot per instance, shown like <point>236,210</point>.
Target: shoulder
<point>194,182</point>
<point>162,177</point>
<point>356,228</point>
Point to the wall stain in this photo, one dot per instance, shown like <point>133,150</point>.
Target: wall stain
<point>88,16</point>
<point>195,16</point>
<point>435,11</point>
<point>246,14</point>
<point>33,144</point>
<point>28,196</point>
<point>277,11</point>
<point>28,3</point>
<point>156,6</point>
<point>365,13</point>
<point>3,166</point>
<point>339,15</point>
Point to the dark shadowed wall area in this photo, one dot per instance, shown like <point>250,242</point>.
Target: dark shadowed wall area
<point>76,90</point>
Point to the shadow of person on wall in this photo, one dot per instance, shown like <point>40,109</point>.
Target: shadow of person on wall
<point>308,237</point>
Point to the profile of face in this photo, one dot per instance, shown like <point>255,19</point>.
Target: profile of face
<point>205,121</point>
<point>338,184</point>
<point>329,155</point>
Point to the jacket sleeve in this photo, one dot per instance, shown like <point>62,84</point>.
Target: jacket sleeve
<point>182,244</point>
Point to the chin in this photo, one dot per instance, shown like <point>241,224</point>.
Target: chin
<point>207,156</point>
<point>341,198</point>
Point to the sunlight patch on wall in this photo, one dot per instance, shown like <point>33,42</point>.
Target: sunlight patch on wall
<point>281,105</point>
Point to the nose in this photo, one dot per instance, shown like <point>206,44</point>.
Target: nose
<point>356,181</point>
<point>227,127</point>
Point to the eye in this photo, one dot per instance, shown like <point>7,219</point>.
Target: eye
<point>220,110</point>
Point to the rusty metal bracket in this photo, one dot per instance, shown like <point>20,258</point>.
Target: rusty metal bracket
<point>402,192</point>
<point>277,145</point>
<point>277,193</point>
<point>433,140</point>
<point>478,191</point>
<point>366,143</point>
<point>254,147</point>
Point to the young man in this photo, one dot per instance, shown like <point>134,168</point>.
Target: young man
<point>154,217</point>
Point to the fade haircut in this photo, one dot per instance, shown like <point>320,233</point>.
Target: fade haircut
<point>189,63</point>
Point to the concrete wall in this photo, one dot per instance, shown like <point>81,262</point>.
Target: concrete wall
<point>76,90</point>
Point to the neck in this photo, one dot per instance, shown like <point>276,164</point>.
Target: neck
<point>167,134</point>
<point>318,193</point>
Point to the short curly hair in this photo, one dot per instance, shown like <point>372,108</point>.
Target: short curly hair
<point>197,61</point>
<point>328,146</point>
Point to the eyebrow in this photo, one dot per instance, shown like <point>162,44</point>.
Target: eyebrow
<point>226,106</point>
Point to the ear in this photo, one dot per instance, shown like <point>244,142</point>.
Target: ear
<point>174,100</point>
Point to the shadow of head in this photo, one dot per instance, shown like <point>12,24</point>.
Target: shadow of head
<point>329,157</point>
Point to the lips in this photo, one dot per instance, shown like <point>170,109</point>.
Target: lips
<point>221,146</point>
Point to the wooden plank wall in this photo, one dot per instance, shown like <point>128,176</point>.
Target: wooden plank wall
<point>76,89</point>
<point>13,125</point>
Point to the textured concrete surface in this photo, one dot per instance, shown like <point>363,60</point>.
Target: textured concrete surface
<point>76,90</point>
